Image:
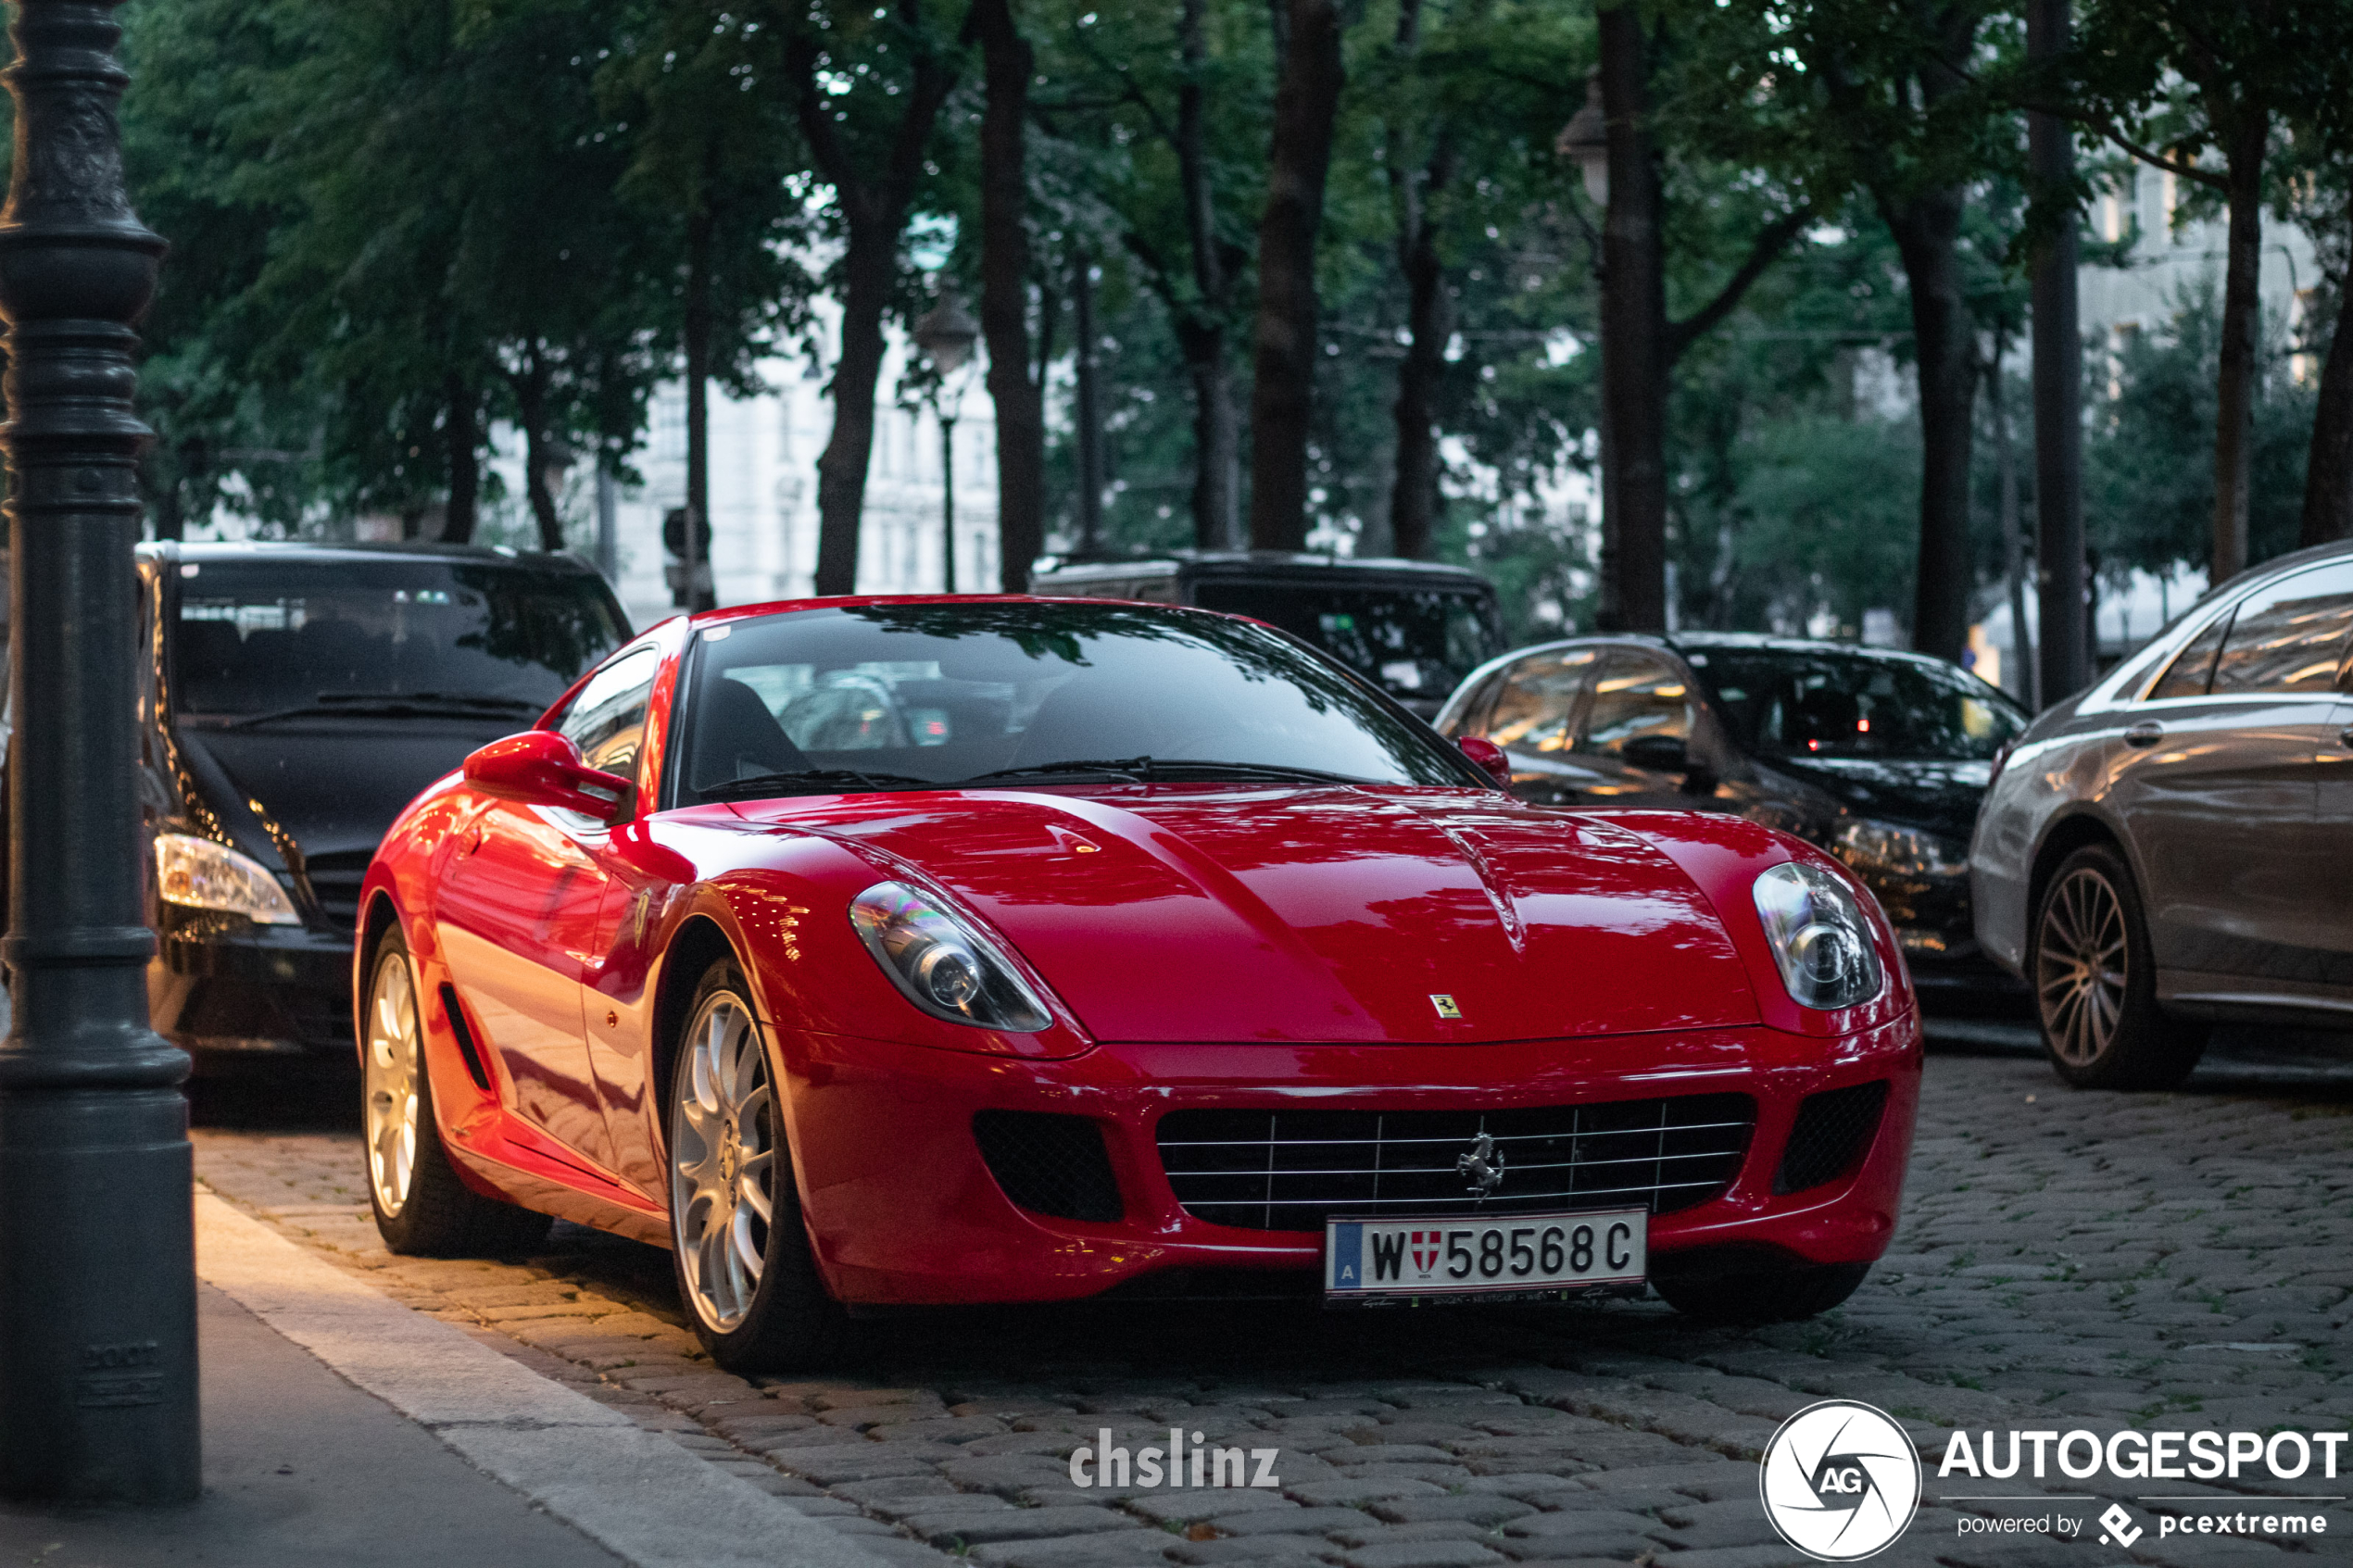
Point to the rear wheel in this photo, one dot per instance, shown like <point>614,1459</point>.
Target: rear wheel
<point>2096,982</point>
<point>423,1209</point>
<point>746,1269</point>
<point>1767,1293</point>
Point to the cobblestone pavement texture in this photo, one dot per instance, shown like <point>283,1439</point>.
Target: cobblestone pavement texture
<point>2066,1260</point>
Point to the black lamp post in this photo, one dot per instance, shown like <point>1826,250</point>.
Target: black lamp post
<point>97,1265</point>
<point>946,333</point>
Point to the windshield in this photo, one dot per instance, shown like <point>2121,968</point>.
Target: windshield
<point>906,695</point>
<point>262,636</point>
<point>1419,642</point>
<point>1810,703</point>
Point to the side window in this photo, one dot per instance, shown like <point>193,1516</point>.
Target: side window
<point>1536,706</point>
<point>1639,693</point>
<point>607,721</point>
<point>2289,636</point>
<point>2193,668</point>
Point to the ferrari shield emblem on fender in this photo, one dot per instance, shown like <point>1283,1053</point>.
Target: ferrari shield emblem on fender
<point>1445,1005</point>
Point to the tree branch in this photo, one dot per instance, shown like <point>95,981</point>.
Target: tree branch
<point>1772,241</point>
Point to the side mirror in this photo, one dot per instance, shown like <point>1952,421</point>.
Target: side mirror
<point>542,768</point>
<point>1490,758</point>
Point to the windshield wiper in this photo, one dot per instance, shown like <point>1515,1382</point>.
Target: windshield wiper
<point>1134,770</point>
<point>395,705</point>
<point>758,784</point>
<point>1248,769</point>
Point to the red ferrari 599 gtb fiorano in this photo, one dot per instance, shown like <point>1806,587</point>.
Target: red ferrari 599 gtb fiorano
<point>902,951</point>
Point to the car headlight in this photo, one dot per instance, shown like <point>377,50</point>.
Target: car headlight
<point>940,963</point>
<point>196,873</point>
<point>1819,937</point>
<point>1867,846</point>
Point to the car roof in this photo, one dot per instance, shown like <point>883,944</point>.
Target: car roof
<point>332,551</point>
<point>1262,563</point>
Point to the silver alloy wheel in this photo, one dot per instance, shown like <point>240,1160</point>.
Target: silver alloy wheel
<point>723,1163</point>
<point>389,1078</point>
<point>2080,967</point>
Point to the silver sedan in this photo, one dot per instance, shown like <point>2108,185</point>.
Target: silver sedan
<point>2173,847</point>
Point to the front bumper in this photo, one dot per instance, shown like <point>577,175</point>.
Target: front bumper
<point>221,987</point>
<point>904,1211</point>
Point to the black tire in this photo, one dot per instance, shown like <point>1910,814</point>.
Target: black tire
<point>434,1214</point>
<point>1766,1293</point>
<point>2102,1027</point>
<point>725,1154</point>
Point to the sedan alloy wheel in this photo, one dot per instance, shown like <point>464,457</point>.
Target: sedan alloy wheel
<point>2082,966</point>
<point>723,1163</point>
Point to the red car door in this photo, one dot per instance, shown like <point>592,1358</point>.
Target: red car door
<point>517,918</point>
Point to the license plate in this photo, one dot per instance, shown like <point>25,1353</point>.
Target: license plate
<point>1527,1255</point>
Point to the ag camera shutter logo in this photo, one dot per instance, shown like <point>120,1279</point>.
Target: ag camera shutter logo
<point>1840,1481</point>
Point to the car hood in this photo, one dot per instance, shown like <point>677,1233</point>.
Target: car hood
<point>1940,795</point>
<point>334,787</point>
<point>1325,914</point>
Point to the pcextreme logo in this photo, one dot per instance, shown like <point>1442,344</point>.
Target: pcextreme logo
<point>1840,1480</point>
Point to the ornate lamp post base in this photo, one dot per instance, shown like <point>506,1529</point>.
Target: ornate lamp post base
<point>97,1258</point>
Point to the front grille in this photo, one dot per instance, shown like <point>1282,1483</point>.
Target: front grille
<point>1049,1164</point>
<point>1831,1131</point>
<point>1292,1170</point>
<point>335,882</point>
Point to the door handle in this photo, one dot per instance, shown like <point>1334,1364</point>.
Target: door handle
<point>2148,732</point>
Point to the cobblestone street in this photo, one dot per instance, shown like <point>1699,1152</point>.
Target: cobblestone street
<point>2068,1262</point>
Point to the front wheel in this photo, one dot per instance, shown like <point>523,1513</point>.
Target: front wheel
<point>745,1267</point>
<point>2096,982</point>
<point>423,1207</point>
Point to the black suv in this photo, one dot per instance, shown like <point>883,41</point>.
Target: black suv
<point>1879,757</point>
<point>293,699</point>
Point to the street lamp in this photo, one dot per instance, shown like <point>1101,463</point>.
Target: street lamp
<point>1585,142</point>
<point>98,1253</point>
<point>946,333</point>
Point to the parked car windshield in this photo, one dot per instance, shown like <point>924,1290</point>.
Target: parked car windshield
<point>1419,642</point>
<point>262,636</point>
<point>1819,703</point>
<point>1012,694</point>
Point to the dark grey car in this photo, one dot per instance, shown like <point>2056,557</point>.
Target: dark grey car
<point>1879,757</point>
<point>2174,845</point>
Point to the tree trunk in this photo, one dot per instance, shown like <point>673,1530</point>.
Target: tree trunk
<point>2328,472</point>
<point>2013,548</point>
<point>463,432</point>
<point>1633,342</point>
<point>2242,319</point>
<point>841,469</point>
<point>1004,295</point>
<point>2060,667</point>
<point>698,333</point>
<point>531,403</point>
<point>1282,392</point>
<point>1090,410</point>
<point>1200,332</point>
<point>1412,501</point>
<point>1927,231</point>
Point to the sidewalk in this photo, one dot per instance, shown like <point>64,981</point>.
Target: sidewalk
<point>340,1427</point>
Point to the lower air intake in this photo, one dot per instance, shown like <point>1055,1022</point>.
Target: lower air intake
<point>1050,1164</point>
<point>1833,1130</point>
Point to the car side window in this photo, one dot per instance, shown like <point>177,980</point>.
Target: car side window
<point>1536,709</point>
<point>2289,636</point>
<point>1638,694</point>
<point>607,719</point>
<point>2193,668</point>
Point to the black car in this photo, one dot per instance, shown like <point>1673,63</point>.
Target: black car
<point>1879,757</point>
<point>1416,628</point>
<point>294,699</point>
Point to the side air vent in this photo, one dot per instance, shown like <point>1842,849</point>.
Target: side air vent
<point>1050,1164</point>
<point>464,1031</point>
<point>1833,1130</point>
